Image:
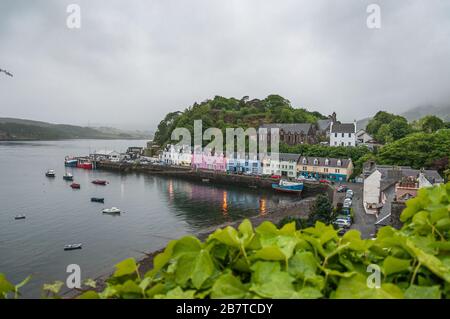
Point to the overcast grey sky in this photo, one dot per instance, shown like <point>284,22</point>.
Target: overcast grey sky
<point>133,61</point>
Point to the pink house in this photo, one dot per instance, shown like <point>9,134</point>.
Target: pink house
<point>209,161</point>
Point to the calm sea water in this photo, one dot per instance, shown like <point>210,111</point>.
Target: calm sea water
<point>156,209</point>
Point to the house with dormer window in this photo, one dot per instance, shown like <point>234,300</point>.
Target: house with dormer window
<point>333,169</point>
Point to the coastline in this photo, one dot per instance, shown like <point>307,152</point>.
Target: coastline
<point>295,209</point>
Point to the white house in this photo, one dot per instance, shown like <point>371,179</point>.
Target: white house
<point>343,134</point>
<point>107,155</point>
<point>381,185</point>
<point>362,137</point>
<point>285,165</point>
<point>174,155</point>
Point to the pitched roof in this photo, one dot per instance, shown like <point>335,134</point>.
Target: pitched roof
<point>396,173</point>
<point>289,128</point>
<point>343,128</point>
<point>324,124</point>
<point>287,157</point>
<point>332,162</point>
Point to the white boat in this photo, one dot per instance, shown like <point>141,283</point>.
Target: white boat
<point>113,210</point>
<point>20,217</point>
<point>50,173</point>
<point>73,246</point>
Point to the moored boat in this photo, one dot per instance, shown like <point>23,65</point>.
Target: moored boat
<point>75,186</point>
<point>112,211</point>
<point>73,246</point>
<point>84,163</point>
<point>99,182</point>
<point>68,177</point>
<point>70,162</point>
<point>288,187</point>
<point>98,199</point>
<point>20,217</point>
<point>50,173</point>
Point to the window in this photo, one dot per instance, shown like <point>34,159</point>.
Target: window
<point>335,134</point>
<point>349,134</point>
<point>339,163</point>
<point>327,162</point>
<point>316,161</point>
<point>335,143</point>
<point>337,170</point>
<point>342,134</point>
<point>304,161</point>
<point>305,168</point>
<point>349,143</point>
<point>325,170</point>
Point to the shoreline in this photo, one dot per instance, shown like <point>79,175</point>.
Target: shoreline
<point>296,209</point>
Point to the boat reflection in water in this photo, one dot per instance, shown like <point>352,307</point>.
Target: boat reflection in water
<point>204,205</point>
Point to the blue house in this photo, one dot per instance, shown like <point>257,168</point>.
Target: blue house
<point>244,164</point>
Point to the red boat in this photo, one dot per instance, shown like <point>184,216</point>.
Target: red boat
<point>84,165</point>
<point>99,182</point>
<point>75,186</point>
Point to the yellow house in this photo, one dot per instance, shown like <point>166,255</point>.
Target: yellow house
<point>334,169</point>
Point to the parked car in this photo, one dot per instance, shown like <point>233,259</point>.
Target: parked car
<point>347,203</point>
<point>342,231</point>
<point>275,176</point>
<point>341,222</point>
<point>248,173</point>
<point>349,193</point>
<point>301,178</point>
<point>324,181</point>
<point>310,179</point>
<point>342,189</point>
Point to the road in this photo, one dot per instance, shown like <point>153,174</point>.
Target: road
<point>361,221</point>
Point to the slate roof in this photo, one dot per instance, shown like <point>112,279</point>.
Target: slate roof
<point>343,128</point>
<point>321,161</point>
<point>389,173</point>
<point>385,212</point>
<point>287,157</point>
<point>323,125</point>
<point>289,128</point>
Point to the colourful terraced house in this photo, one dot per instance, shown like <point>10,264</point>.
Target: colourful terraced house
<point>237,163</point>
<point>209,160</point>
<point>333,169</point>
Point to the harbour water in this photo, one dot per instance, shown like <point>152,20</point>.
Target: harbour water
<point>156,209</point>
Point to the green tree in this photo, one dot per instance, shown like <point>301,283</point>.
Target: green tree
<point>321,210</point>
<point>431,123</point>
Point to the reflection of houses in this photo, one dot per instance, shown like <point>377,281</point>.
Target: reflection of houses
<point>386,188</point>
<point>291,134</point>
<point>325,168</point>
<point>343,134</point>
<point>209,160</point>
<point>284,164</point>
<point>177,155</point>
<point>238,163</point>
<point>107,155</point>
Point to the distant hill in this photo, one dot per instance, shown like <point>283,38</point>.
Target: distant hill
<point>415,114</point>
<point>418,112</point>
<point>21,129</point>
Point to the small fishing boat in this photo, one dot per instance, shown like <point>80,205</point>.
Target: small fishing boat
<point>205,180</point>
<point>112,211</point>
<point>73,246</point>
<point>68,177</point>
<point>20,217</point>
<point>50,173</point>
<point>70,162</point>
<point>288,187</point>
<point>97,199</point>
<point>99,182</point>
<point>75,186</point>
<point>85,164</point>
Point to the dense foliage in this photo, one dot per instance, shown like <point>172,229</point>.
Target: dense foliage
<point>225,113</point>
<point>315,262</point>
<point>386,127</point>
<point>418,150</point>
